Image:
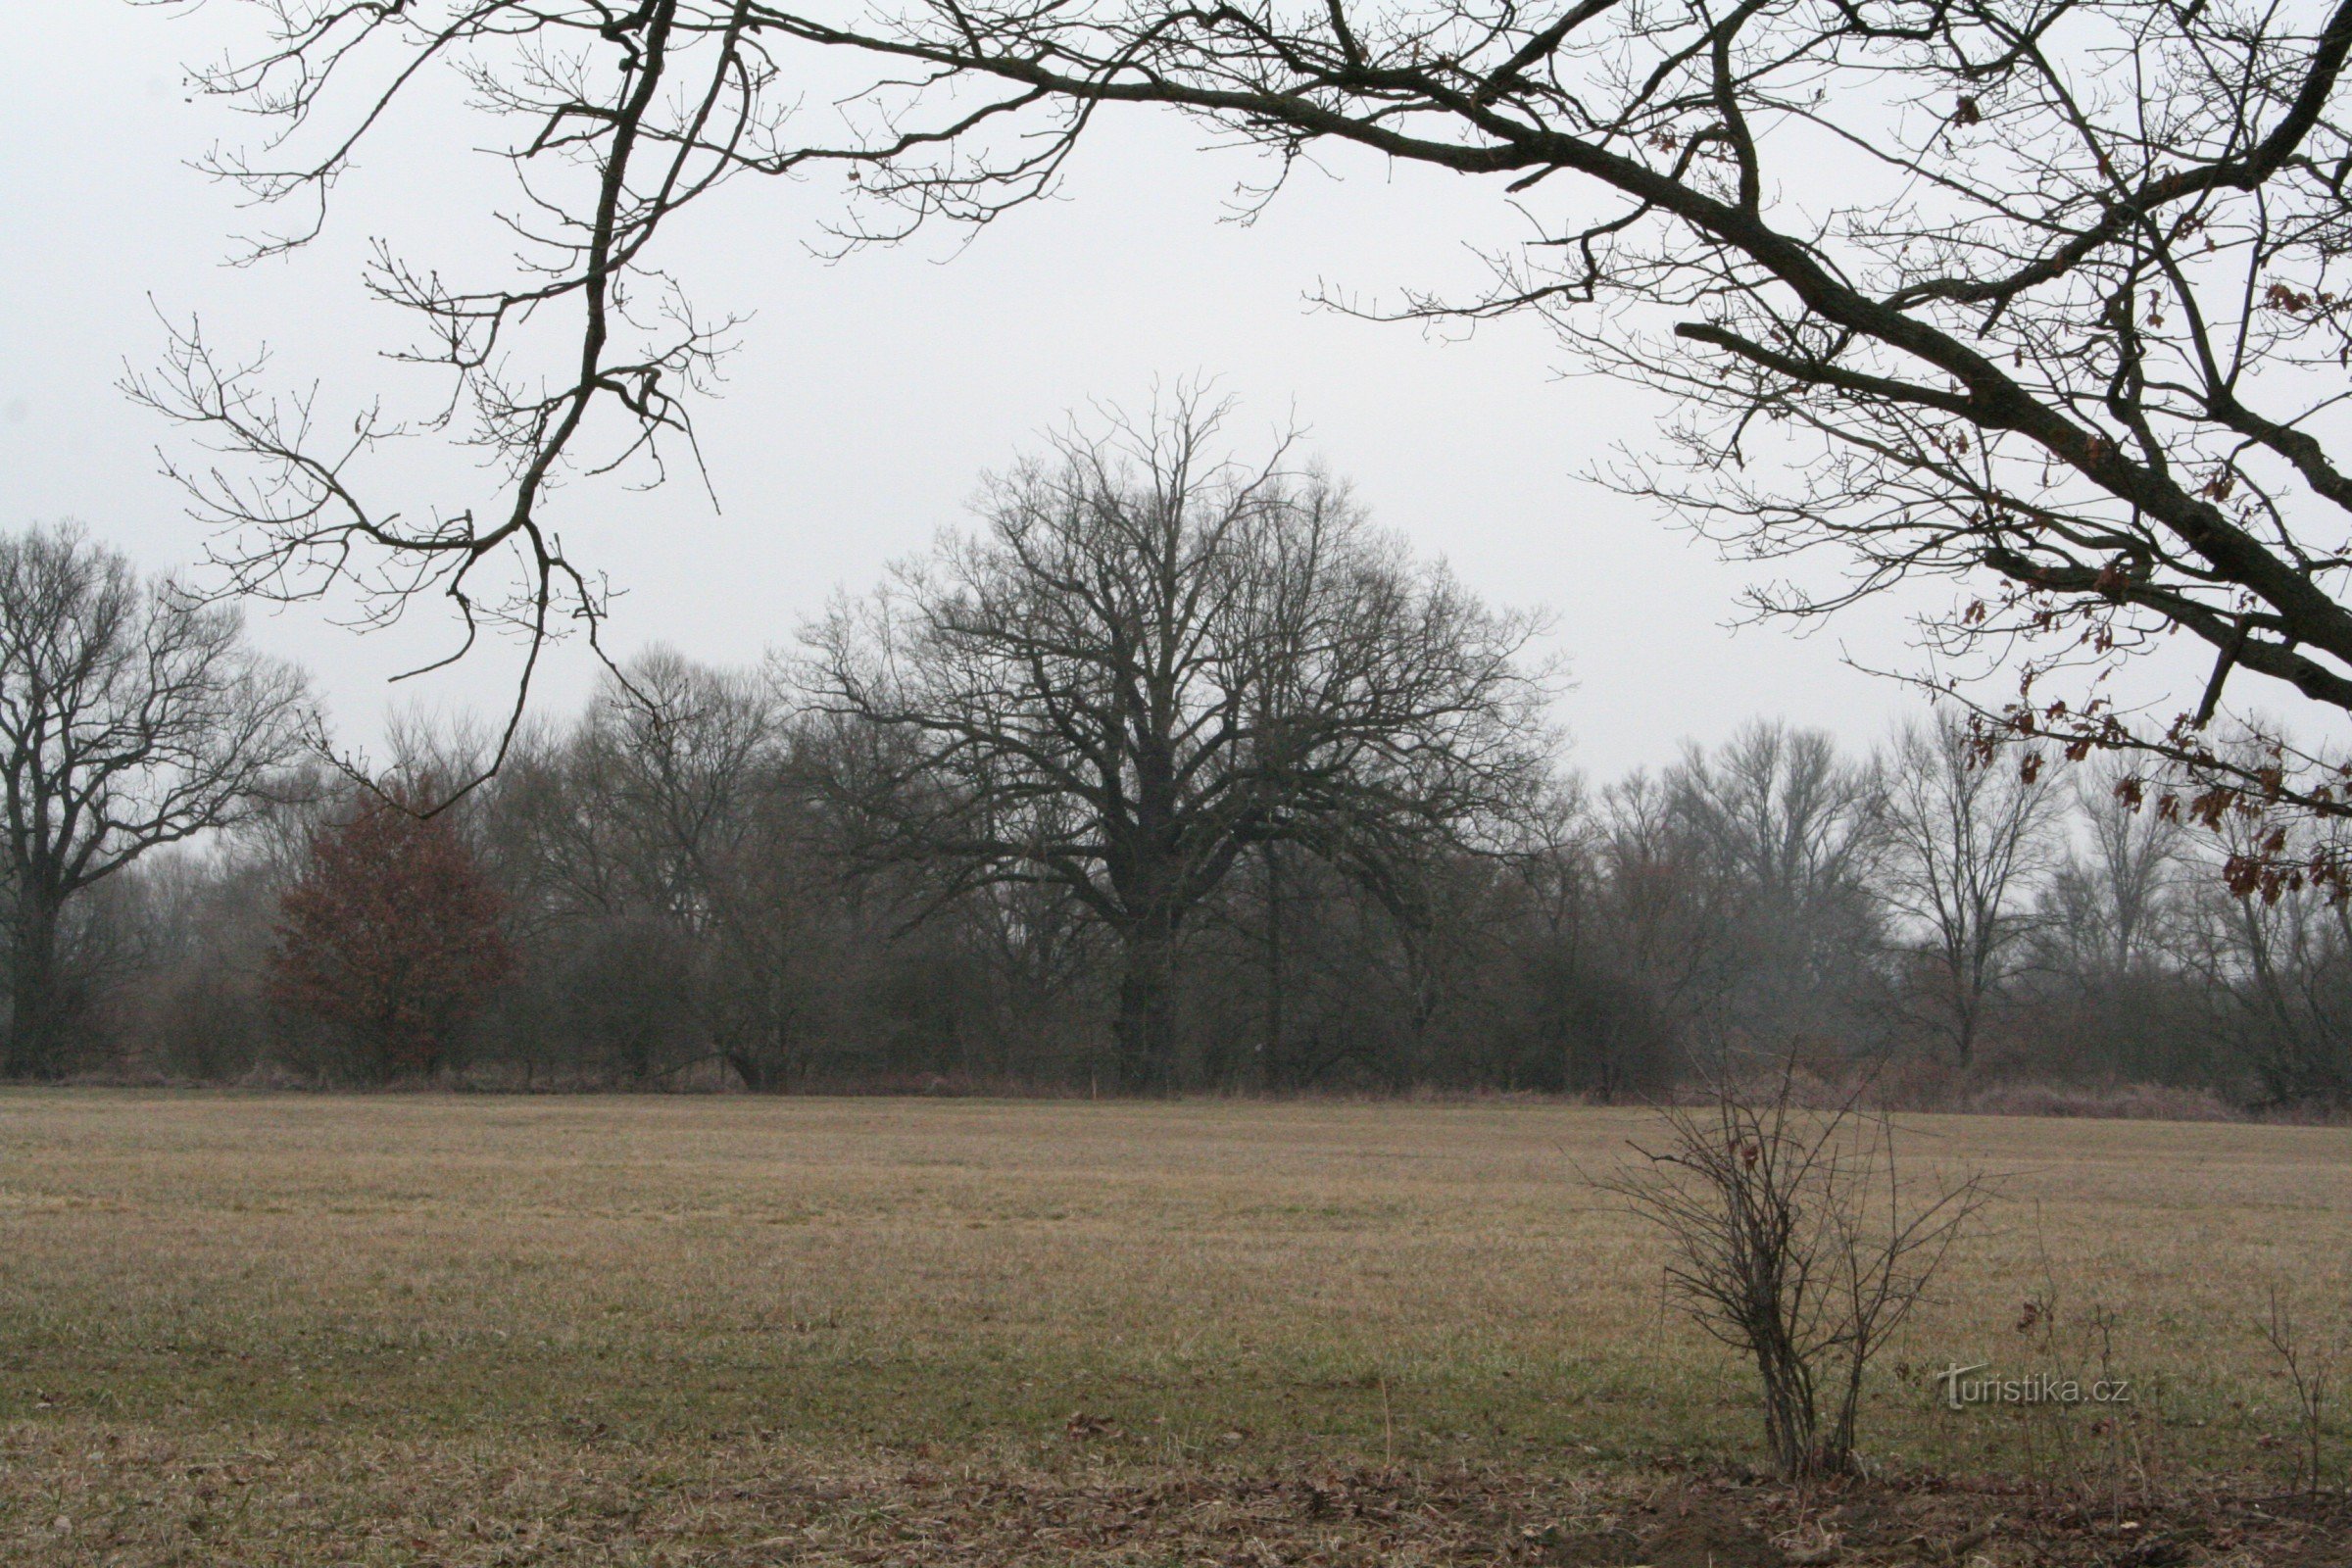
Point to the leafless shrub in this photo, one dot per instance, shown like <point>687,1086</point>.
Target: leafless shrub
<point>2111,1447</point>
<point>1796,1240</point>
<point>2308,1367</point>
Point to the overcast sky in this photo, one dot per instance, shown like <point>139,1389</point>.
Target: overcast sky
<point>870,394</point>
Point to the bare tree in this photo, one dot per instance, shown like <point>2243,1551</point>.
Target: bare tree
<point>1150,659</point>
<point>2040,296</point>
<point>2111,896</point>
<point>1671,921</point>
<point>1786,832</point>
<point>668,822</point>
<point>1970,833</point>
<point>2281,964</point>
<point>130,717</point>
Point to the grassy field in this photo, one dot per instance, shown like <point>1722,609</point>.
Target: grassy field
<point>395,1329</point>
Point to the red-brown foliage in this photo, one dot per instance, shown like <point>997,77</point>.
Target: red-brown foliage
<point>392,934</point>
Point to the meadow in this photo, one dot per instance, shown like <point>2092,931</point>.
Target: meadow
<point>309,1329</point>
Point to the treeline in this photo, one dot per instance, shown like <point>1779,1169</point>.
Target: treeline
<point>674,891</point>
<point>1169,776</point>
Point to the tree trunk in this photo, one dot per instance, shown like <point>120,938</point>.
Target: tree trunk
<point>1276,1065</point>
<point>1968,1006</point>
<point>1964,1037</point>
<point>38,1001</point>
<point>1146,1028</point>
<point>757,1074</point>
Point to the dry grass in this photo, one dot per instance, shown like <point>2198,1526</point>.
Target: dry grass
<point>299,1329</point>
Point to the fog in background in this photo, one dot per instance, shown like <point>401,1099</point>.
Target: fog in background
<point>871,393</point>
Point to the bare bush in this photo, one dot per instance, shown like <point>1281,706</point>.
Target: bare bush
<point>2309,1366</point>
<point>1797,1241</point>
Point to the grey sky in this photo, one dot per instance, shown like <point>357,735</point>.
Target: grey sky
<point>869,394</point>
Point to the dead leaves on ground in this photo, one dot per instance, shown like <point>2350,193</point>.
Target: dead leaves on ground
<point>72,1494</point>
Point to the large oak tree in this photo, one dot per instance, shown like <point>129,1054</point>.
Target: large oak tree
<point>131,717</point>
<point>1151,658</point>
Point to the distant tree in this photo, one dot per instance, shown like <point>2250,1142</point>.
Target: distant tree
<point>1152,659</point>
<point>672,825</point>
<point>1664,917</point>
<point>2279,965</point>
<point>2112,975</point>
<point>392,935</point>
<point>1597,991</point>
<point>1969,834</point>
<point>2113,895</point>
<point>130,717</point>
<point>1786,831</point>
